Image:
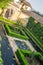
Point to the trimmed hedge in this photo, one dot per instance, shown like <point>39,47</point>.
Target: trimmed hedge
<point>22,53</point>
<point>30,34</point>
<point>26,52</point>
<point>35,31</point>
<point>37,55</point>
<point>21,58</point>
<point>5,20</point>
<point>34,38</point>
<point>14,34</point>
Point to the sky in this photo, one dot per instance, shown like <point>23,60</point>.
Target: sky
<point>36,5</point>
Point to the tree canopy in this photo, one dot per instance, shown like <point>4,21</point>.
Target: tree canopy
<point>4,3</point>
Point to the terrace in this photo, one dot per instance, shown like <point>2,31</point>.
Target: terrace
<point>19,41</point>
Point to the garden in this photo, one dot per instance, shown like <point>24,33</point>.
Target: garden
<point>35,30</point>
<point>31,58</point>
<point>5,20</point>
<point>15,31</point>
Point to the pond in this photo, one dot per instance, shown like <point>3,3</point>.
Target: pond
<point>21,45</point>
<point>6,51</point>
<point>7,54</point>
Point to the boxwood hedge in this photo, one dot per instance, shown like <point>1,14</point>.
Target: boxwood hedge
<point>9,32</point>
<point>21,58</point>
<point>37,55</point>
<point>34,38</point>
<point>35,31</point>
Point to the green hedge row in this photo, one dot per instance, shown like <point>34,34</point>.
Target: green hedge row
<point>23,32</point>
<point>5,20</point>
<point>37,55</point>
<point>26,52</point>
<point>14,34</point>
<point>21,58</point>
<point>35,31</point>
<point>22,53</point>
<point>34,38</point>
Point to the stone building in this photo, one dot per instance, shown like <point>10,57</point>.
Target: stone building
<point>15,8</point>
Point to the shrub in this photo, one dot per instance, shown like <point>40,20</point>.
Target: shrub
<point>5,20</point>
<point>37,55</point>
<point>21,57</point>
<point>35,31</point>
<point>14,34</point>
<point>34,38</point>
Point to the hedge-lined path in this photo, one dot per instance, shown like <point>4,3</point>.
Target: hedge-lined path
<point>7,54</point>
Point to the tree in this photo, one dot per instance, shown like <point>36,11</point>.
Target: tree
<point>4,4</point>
